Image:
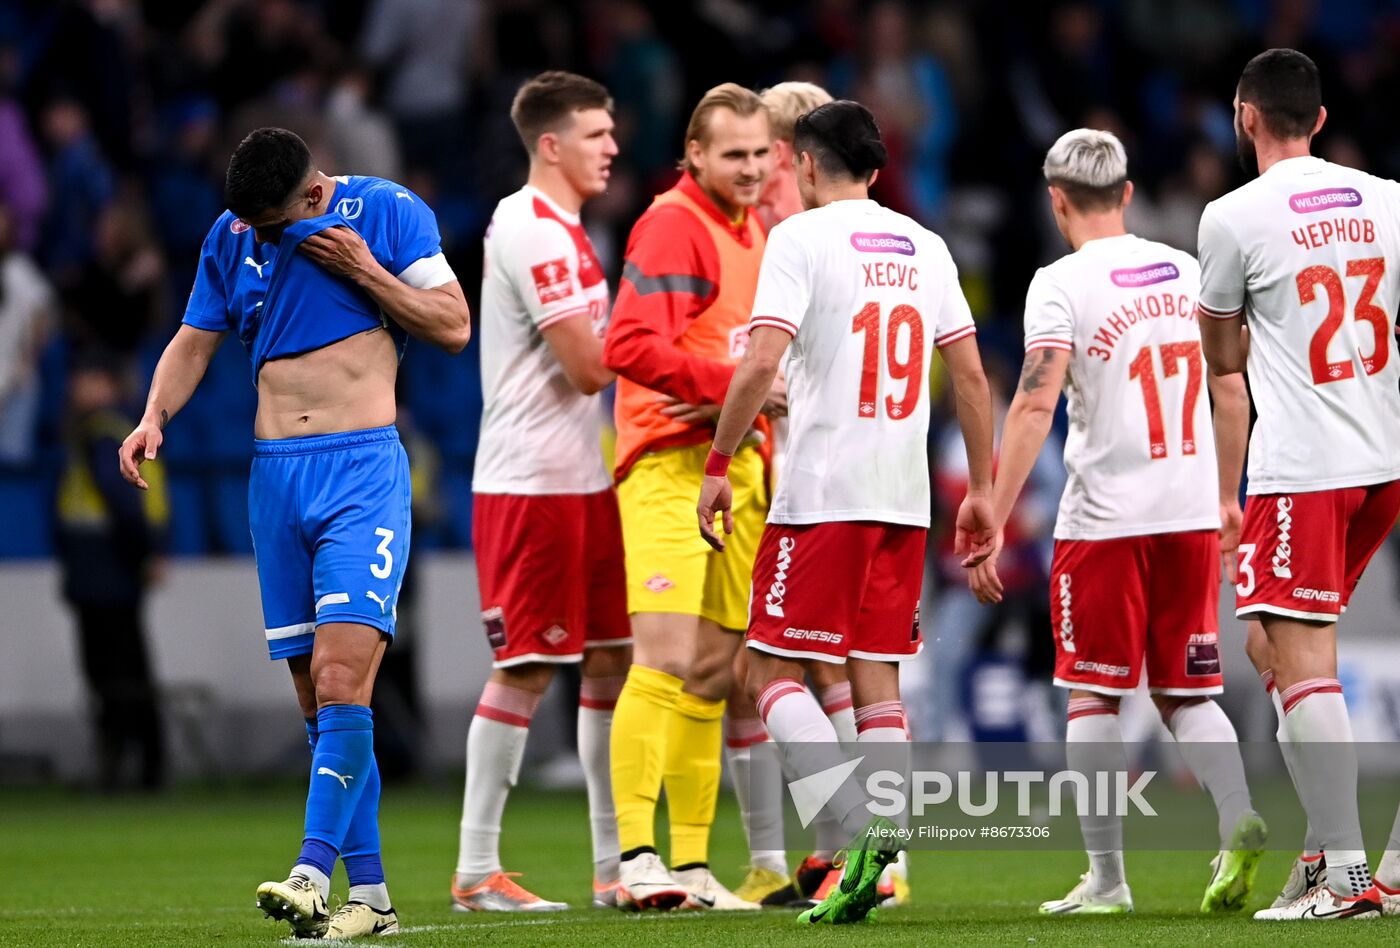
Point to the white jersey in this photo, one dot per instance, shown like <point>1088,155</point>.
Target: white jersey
<point>539,434</point>
<point>1309,252</point>
<point>1140,451</point>
<point>866,294</point>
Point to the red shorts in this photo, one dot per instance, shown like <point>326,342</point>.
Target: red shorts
<point>551,575</point>
<point>1114,603</point>
<point>1301,555</point>
<point>826,591</point>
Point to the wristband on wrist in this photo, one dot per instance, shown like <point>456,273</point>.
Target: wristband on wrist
<point>717,464</point>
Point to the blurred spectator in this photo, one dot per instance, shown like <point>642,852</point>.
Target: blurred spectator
<point>119,297</point>
<point>251,48</point>
<point>81,184</point>
<point>425,49</point>
<point>22,186</point>
<point>362,137</point>
<point>1204,176</point>
<point>186,182</point>
<point>26,316</point>
<point>109,540</point>
<point>645,78</point>
<point>909,92</point>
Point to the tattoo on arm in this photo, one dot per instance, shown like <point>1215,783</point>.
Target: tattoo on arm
<point>164,419</point>
<point>1032,373</point>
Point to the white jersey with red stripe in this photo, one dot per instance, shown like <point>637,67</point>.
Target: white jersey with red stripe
<point>539,434</point>
<point>1140,450</point>
<point>866,294</point>
<point>1309,252</point>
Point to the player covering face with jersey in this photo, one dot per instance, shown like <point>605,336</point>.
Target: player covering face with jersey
<point>857,297</point>
<point>322,279</point>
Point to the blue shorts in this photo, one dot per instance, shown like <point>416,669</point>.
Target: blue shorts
<point>330,517</point>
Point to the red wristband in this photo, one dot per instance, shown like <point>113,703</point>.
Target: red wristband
<point>717,464</point>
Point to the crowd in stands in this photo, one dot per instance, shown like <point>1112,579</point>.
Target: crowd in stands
<point>117,117</point>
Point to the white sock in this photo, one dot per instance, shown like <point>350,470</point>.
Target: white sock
<point>1106,870</point>
<point>1318,726</point>
<point>884,722</point>
<point>597,699</point>
<point>323,881</point>
<point>495,748</point>
<point>1211,749</point>
<point>760,807</point>
<point>807,742</point>
<point>375,896</point>
<point>1311,845</point>
<point>830,836</point>
<point>1094,742</point>
<point>839,710</point>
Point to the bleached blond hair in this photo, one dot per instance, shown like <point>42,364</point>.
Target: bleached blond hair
<point>1090,166</point>
<point>787,102</point>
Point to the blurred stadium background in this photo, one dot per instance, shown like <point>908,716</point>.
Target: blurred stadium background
<point>116,120</point>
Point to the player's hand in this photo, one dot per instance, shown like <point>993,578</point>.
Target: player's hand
<point>686,413</point>
<point>983,580</point>
<point>341,251</point>
<point>140,446</point>
<point>976,536</point>
<point>1231,520</point>
<point>716,497</point>
<point>775,405</point>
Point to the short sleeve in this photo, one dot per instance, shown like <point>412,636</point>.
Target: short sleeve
<point>954,315</point>
<point>543,266</point>
<point>784,283</point>
<point>417,252</point>
<point>1049,320</point>
<point>1222,266</point>
<point>208,304</point>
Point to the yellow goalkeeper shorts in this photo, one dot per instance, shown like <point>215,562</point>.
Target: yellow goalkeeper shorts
<point>669,567</point>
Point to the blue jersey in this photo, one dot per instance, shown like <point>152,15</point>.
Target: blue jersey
<point>282,303</point>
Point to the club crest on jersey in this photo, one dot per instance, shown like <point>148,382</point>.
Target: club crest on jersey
<point>555,635</point>
<point>551,280</point>
<point>350,208</point>
<point>237,226</point>
<point>1323,200</point>
<point>1145,276</point>
<point>882,243</point>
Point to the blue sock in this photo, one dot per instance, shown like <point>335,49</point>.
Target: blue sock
<point>340,768</point>
<point>360,850</point>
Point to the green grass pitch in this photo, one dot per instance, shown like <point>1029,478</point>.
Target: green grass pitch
<point>181,870</point>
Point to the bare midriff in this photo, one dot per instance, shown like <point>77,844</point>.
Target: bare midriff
<point>345,386</point>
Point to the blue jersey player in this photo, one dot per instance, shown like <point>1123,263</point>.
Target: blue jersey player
<point>322,279</point>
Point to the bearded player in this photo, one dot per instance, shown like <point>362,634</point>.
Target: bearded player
<point>1300,280</point>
